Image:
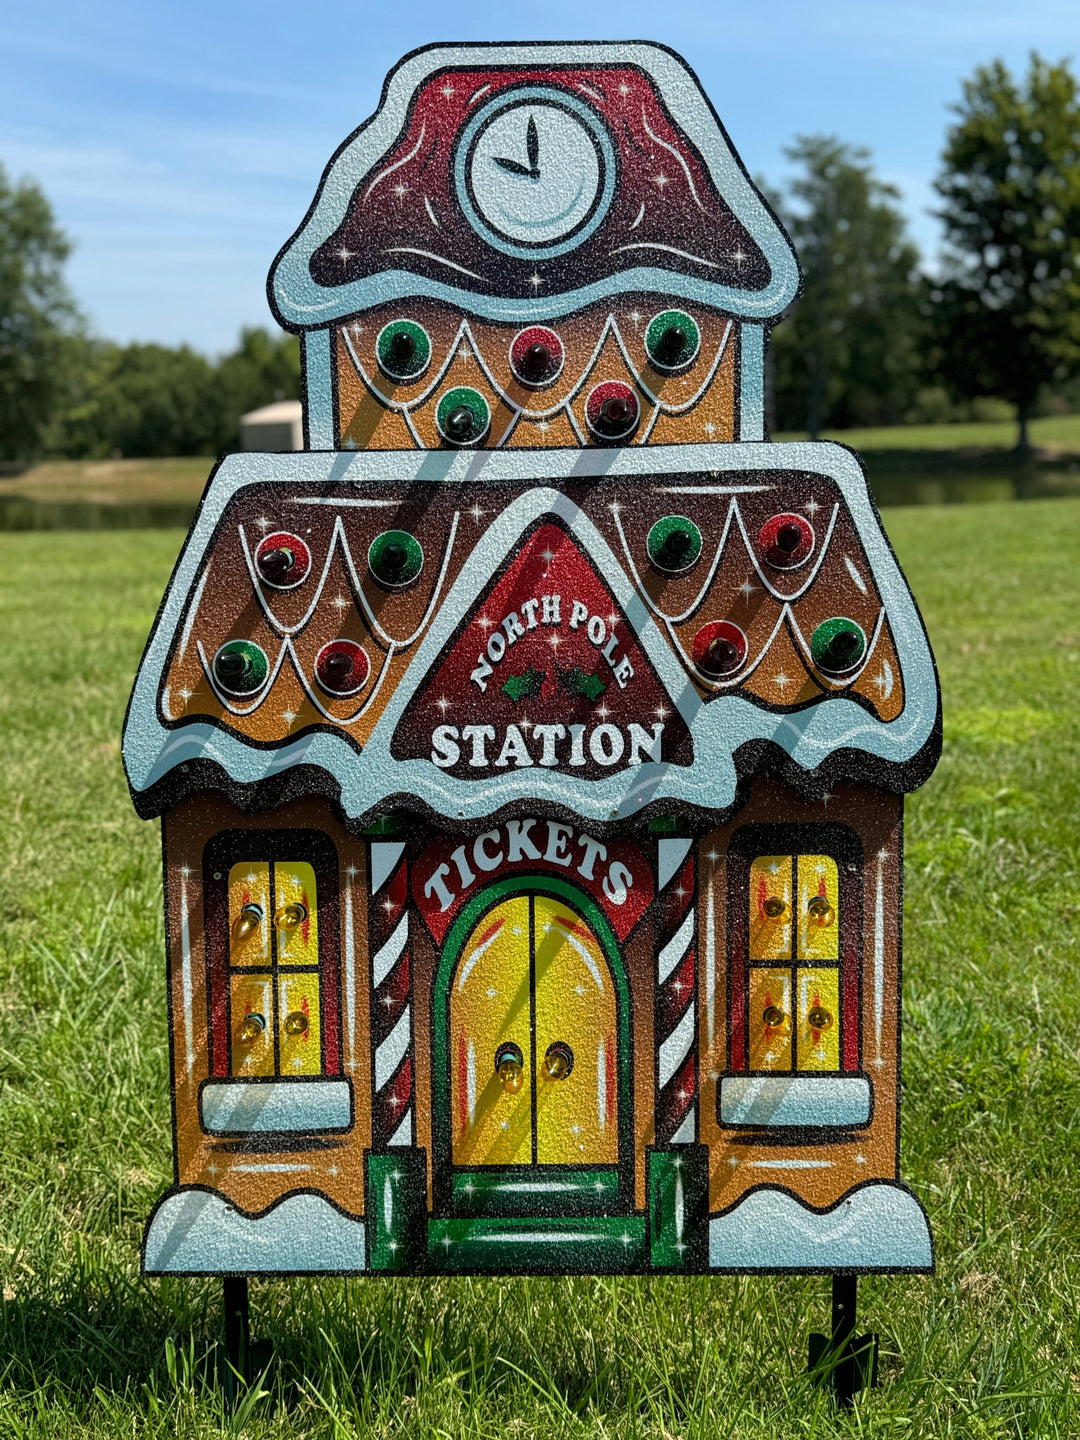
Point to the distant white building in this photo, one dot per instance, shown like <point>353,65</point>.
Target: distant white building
<point>273,427</point>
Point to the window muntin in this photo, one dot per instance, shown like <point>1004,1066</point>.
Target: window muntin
<point>794,957</point>
<point>275,1018</point>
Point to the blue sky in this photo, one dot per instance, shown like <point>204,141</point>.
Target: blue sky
<point>180,144</point>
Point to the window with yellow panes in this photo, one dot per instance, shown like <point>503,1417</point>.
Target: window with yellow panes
<point>793,964</point>
<point>274,982</point>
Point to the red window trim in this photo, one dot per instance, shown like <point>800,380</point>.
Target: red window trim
<point>842,845</point>
<point>228,848</point>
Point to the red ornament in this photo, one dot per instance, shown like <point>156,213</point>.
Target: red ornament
<point>719,648</point>
<point>786,541</point>
<point>342,667</point>
<point>612,409</point>
<point>282,560</point>
<point>536,356</point>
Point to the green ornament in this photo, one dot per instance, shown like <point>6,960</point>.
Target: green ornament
<point>395,558</point>
<point>672,340</point>
<point>674,543</point>
<point>837,645</point>
<point>403,349</point>
<point>462,416</point>
<point>241,667</point>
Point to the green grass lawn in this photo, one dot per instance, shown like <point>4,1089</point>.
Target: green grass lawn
<point>990,1347</point>
<point>1051,432</point>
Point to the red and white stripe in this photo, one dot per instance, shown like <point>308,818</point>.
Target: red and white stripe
<point>393,1120</point>
<point>675,1011</point>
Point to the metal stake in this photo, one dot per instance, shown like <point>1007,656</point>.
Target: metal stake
<point>854,1358</point>
<point>237,1333</point>
<point>845,1294</point>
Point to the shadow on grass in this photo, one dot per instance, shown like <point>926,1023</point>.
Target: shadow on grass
<point>365,1355</point>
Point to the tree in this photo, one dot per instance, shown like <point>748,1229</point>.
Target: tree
<point>141,400</point>
<point>37,317</point>
<point>262,369</point>
<point>1008,305</point>
<point>849,352</point>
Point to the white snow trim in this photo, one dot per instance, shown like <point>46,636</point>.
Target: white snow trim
<point>254,1107</point>
<point>193,1232</point>
<point>808,736</point>
<point>878,1227</point>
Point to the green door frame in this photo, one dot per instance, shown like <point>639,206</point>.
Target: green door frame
<point>460,930</point>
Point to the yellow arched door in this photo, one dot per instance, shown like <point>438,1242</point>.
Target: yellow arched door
<point>533,1037</point>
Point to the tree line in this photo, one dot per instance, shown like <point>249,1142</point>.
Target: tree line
<point>877,337</point>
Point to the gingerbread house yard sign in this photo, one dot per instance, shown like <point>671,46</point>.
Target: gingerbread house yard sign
<point>531,749</point>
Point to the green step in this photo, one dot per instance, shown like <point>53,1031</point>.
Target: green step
<point>598,1245</point>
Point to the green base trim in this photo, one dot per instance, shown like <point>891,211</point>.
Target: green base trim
<point>532,1191</point>
<point>603,1245</point>
<point>677,1181</point>
<point>395,1195</point>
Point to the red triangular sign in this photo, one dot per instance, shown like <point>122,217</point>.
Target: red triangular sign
<point>546,671</point>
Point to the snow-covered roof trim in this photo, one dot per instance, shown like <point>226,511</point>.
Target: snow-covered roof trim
<point>732,736</point>
<point>300,302</point>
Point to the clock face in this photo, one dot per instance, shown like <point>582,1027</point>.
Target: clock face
<point>535,171</point>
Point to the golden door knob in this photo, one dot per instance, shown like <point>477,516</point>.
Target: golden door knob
<point>253,1028</point>
<point>247,922</point>
<point>510,1067</point>
<point>295,1024</point>
<point>289,917</point>
<point>773,1016</point>
<point>775,908</point>
<point>821,912</point>
<point>558,1061</point>
<point>818,1018</point>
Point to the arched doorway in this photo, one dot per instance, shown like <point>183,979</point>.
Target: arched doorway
<point>533,1103</point>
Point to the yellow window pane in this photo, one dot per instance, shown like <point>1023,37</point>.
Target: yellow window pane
<point>576,1111</point>
<point>296,913</point>
<point>249,913</point>
<point>489,1013</point>
<point>817,934</point>
<point>770,1020</point>
<point>818,1019</point>
<point>299,1029</point>
<point>770,908</point>
<point>251,999</point>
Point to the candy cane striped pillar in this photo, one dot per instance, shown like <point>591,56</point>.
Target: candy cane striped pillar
<point>675,1023</point>
<point>391,995</point>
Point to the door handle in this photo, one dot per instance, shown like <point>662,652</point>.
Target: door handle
<point>510,1066</point>
<point>558,1061</point>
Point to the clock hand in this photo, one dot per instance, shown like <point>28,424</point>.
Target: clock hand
<point>532,148</point>
<point>515,167</point>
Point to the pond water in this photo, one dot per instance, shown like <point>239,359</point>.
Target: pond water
<point>909,485</point>
<point>18,512</point>
<point>970,487</point>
